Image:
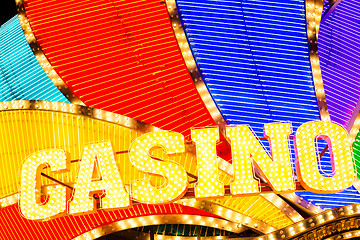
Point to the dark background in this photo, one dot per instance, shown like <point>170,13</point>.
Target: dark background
<point>7,10</point>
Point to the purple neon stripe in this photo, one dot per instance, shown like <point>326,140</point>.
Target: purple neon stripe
<point>339,50</point>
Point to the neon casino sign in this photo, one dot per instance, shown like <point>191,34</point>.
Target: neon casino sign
<point>247,153</point>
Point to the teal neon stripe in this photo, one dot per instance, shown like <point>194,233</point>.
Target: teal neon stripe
<point>21,76</point>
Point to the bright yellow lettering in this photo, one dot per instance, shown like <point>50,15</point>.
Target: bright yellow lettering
<point>208,184</point>
<point>109,183</point>
<point>247,150</point>
<point>340,152</point>
<point>30,200</point>
<point>175,175</point>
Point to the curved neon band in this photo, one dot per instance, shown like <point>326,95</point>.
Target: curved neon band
<point>21,76</point>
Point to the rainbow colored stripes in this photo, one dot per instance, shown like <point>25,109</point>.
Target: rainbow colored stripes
<point>255,63</point>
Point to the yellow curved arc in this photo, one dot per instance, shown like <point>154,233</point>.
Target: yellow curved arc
<point>256,207</point>
<point>29,130</point>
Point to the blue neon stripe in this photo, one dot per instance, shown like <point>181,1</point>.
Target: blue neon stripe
<point>253,56</point>
<point>21,76</point>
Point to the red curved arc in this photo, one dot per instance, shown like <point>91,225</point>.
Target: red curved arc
<point>120,56</point>
<point>68,227</point>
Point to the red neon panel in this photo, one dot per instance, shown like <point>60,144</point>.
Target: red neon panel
<point>120,56</point>
<point>14,226</point>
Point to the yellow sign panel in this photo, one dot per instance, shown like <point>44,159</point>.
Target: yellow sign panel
<point>32,126</point>
<point>247,153</point>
